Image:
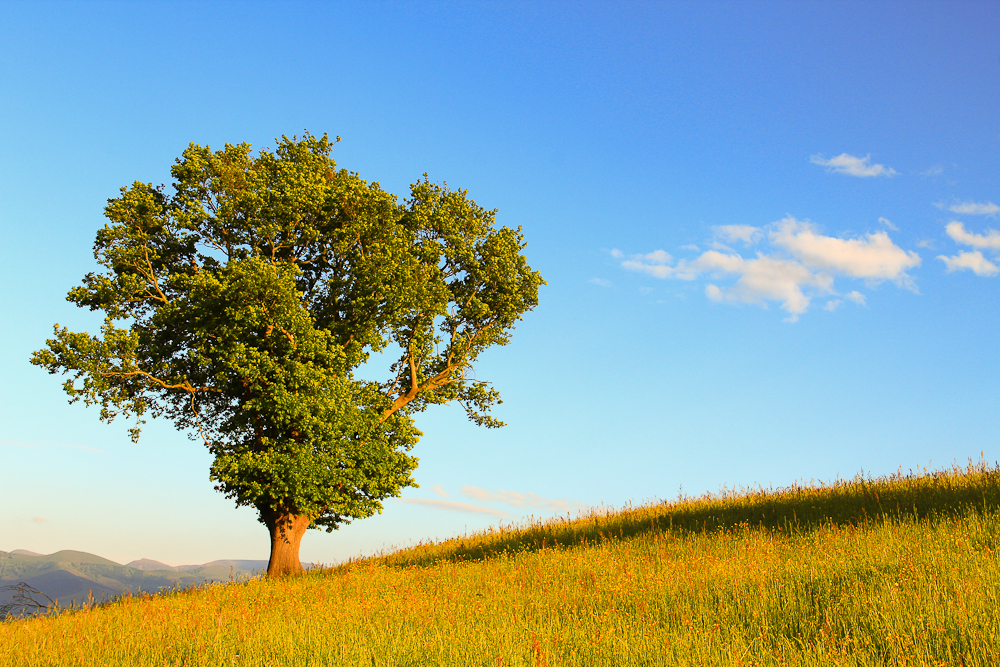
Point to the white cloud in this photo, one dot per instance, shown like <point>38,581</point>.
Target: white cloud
<point>802,267</point>
<point>875,258</point>
<point>600,281</point>
<point>974,208</point>
<point>616,253</point>
<point>450,506</point>
<point>956,230</point>
<point>39,519</point>
<point>733,233</point>
<point>661,269</point>
<point>438,489</point>
<point>515,499</point>
<point>888,223</point>
<point>856,297</point>
<point>973,261</point>
<point>764,279</point>
<point>926,243</point>
<point>936,170</point>
<point>690,246</point>
<point>853,166</point>
<point>657,257</point>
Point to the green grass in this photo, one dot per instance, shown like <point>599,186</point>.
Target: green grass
<point>897,571</point>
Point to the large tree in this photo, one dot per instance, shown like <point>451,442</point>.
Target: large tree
<point>241,305</point>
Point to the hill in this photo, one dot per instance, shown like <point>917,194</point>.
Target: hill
<point>72,577</point>
<point>896,571</point>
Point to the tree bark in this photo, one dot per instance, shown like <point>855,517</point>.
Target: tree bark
<point>286,530</point>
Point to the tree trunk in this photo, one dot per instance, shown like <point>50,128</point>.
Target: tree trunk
<point>286,531</point>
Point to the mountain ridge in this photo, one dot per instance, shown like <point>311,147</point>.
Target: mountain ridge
<point>70,577</point>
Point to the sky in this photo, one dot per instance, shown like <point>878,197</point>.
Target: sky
<point>769,232</point>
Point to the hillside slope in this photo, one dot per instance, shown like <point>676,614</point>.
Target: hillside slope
<point>902,571</point>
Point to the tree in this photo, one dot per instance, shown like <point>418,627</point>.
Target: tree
<point>241,305</point>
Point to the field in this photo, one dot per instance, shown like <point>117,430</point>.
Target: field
<point>895,571</point>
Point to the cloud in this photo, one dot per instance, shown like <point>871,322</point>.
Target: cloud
<point>874,258</point>
<point>39,519</point>
<point>657,257</point>
<point>450,506</point>
<point>853,166</point>
<point>616,253</point>
<point>888,223</point>
<point>764,279</point>
<point>15,443</point>
<point>657,265</point>
<point>438,489</point>
<point>600,281</point>
<point>956,230</point>
<point>975,208</point>
<point>690,246</point>
<point>973,261</point>
<point>926,243</point>
<point>801,266</point>
<point>520,500</point>
<point>856,297</point>
<point>733,233</point>
<point>936,170</point>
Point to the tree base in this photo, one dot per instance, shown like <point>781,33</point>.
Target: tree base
<point>286,534</point>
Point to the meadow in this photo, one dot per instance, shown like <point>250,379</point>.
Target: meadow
<point>892,571</point>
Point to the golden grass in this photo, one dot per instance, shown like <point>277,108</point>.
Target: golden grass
<point>897,571</point>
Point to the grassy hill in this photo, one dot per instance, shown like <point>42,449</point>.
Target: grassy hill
<point>897,571</point>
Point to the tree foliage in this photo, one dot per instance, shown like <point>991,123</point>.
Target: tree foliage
<point>241,305</point>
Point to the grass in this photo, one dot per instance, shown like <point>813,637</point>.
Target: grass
<point>894,571</point>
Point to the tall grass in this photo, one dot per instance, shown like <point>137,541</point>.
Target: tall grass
<point>895,571</point>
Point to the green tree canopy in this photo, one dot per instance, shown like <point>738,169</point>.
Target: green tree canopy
<point>241,305</point>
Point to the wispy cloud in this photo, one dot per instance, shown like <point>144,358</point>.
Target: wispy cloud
<point>956,230</point>
<point>657,264</point>
<point>972,261</point>
<point>519,500</point>
<point>936,170</point>
<point>438,489</point>
<point>600,282</point>
<point>888,223</point>
<point>451,506</point>
<point>15,443</point>
<point>857,297</point>
<point>853,166</point>
<point>733,233</point>
<point>975,208</point>
<point>801,265</point>
<point>39,519</point>
<point>832,305</point>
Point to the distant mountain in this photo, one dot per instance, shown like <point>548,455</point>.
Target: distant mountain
<point>243,565</point>
<point>71,577</point>
<point>147,564</point>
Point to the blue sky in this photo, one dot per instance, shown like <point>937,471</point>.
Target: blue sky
<point>768,231</point>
